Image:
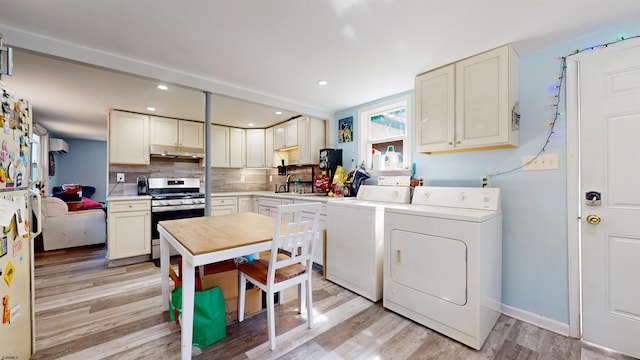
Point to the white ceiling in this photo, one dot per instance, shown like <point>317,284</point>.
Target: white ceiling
<point>263,52</point>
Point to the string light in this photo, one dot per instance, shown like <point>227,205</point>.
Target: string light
<point>555,105</point>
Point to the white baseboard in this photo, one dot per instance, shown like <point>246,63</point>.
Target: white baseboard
<point>537,320</point>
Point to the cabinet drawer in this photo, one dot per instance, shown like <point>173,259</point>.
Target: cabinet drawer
<point>266,201</point>
<point>217,201</point>
<point>120,206</point>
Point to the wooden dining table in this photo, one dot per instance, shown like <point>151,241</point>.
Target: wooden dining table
<point>205,240</point>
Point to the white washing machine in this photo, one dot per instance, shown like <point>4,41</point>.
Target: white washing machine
<point>443,261</point>
<point>355,238</point>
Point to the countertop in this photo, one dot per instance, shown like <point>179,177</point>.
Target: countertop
<point>306,196</point>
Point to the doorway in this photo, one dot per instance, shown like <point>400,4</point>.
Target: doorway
<point>603,125</point>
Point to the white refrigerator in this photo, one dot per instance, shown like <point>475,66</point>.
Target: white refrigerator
<point>17,320</point>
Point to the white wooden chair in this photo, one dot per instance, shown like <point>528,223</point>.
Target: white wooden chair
<point>297,226</point>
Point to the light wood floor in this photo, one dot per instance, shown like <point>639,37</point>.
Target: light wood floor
<point>85,310</point>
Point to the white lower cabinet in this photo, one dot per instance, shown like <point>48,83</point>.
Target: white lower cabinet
<point>245,204</point>
<point>318,246</point>
<point>129,232</point>
<point>223,206</point>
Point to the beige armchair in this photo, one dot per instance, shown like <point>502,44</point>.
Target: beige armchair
<point>62,228</point>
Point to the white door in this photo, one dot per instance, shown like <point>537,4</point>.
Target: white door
<point>610,165</point>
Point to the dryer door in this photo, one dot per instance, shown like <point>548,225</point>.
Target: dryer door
<point>434,265</point>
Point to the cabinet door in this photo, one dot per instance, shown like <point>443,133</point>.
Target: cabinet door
<point>129,234</point>
<point>237,148</point>
<point>269,155</point>
<point>482,99</point>
<point>219,146</point>
<point>191,134</point>
<point>310,139</point>
<point>279,136</point>
<point>163,131</point>
<point>245,204</point>
<point>128,138</point>
<point>266,210</point>
<point>255,205</point>
<point>255,148</point>
<point>291,133</point>
<point>435,110</point>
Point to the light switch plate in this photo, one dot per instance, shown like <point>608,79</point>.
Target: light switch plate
<point>542,162</point>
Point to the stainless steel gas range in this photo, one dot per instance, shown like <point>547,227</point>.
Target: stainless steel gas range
<point>173,199</point>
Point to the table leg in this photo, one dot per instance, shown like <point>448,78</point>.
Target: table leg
<point>164,270</point>
<point>188,295</point>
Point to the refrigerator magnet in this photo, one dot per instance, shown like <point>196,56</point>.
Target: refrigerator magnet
<point>17,247</point>
<point>3,246</point>
<point>8,273</point>
<point>15,312</point>
<point>6,313</point>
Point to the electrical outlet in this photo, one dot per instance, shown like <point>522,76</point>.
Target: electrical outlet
<point>270,178</point>
<point>241,178</point>
<point>485,181</point>
<point>120,177</point>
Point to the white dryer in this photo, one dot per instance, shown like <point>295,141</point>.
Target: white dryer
<point>443,261</point>
<point>355,238</point>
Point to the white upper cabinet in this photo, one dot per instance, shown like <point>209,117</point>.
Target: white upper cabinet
<point>278,137</point>
<point>285,135</point>
<point>164,131</point>
<point>191,134</point>
<point>237,148</point>
<point>291,137</point>
<point>175,133</point>
<point>256,148</point>
<point>219,146</point>
<point>311,138</point>
<point>469,105</point>
<point>269,154</point>
<point>128,138</point>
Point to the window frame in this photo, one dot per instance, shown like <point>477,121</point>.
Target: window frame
<point>365,144</point>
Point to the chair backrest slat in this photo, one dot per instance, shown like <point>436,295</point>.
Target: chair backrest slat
<point>297,226</point>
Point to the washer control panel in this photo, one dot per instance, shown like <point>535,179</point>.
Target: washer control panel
<point>458,197</point>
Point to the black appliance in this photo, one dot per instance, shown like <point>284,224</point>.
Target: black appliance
<point>282,169</point>
<point>173,199</point>
<point>143,185</point>
<point>330,159</point>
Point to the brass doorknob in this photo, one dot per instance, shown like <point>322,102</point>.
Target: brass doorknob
<point>593,219</point>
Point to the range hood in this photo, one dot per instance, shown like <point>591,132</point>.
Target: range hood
<point>176,152</point>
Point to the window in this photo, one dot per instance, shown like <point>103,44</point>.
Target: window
<point>384,125</point>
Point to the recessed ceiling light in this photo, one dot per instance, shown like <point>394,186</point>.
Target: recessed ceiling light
<point>151,108</point>
<point>278,112</point>
<point>323,82</point>
<point>250,124</point>
<point>163,87</point>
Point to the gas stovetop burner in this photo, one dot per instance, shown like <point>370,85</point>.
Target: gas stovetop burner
<point>163,196</point>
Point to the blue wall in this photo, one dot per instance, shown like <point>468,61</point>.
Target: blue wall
<point>85,164</point>
<point>535,257</point>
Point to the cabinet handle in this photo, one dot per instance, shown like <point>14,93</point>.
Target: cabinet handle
<point>450,143</point>
<point>458,142</point>
<point>130,206</point>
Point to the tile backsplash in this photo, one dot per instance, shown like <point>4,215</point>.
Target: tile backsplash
<point>222,179</point>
